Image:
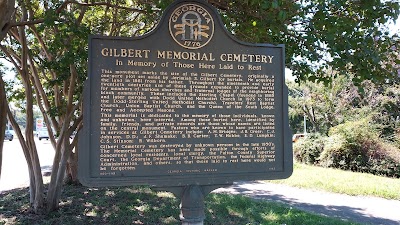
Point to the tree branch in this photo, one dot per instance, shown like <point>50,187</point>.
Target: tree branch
<point>98,4</point>
<point>41,42</point>
<point>26,23</point>
<point>11,56</point>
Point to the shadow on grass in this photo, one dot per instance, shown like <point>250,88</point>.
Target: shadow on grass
<point>334,211</point>
<point>81,205</point>
<point>255,212</point>
<point>141,205</point>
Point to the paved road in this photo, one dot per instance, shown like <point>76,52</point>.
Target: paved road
<point>366,210</point>
<point>15,171</point>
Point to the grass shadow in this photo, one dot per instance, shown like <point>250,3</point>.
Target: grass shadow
<point>81,205</point>
<point>141,205</point>
<point>332,210</point>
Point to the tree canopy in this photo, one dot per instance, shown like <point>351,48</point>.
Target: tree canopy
<point>327,107</point>
<point>349,36</point>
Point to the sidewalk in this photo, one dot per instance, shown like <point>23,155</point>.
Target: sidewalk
<point>364,210</point>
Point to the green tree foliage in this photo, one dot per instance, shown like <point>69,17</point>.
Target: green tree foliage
<point>359,130</point>
<point>382,102</point>
<point>341,101</point>
<point>324,106</point>
<point>349,36</point>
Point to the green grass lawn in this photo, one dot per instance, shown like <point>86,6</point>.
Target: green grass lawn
<point>140,205</point>
<point>344,182</point>
<point>127,205</point>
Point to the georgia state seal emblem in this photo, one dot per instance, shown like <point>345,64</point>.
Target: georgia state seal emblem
<point>191,26</point>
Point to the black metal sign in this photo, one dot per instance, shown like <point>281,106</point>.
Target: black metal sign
<point>186,104</point>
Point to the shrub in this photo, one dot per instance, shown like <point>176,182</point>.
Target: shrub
<point>389,164</point>
<point>356,146</point>
<point>307,150</point>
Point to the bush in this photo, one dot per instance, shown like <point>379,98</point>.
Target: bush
<point>356,146</point>
<point>349,145</point>
<point>341,153</point>
<point>307,150</point>
<point>389,164</point>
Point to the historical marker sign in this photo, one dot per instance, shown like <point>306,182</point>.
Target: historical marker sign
<point>186,104</point>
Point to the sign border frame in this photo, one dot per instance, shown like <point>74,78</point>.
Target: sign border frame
<point>218,179</point>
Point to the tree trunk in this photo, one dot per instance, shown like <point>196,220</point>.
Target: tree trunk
<point>37,188</point>
<point>27,154</point>
<point>58,172</point>
<point>72,166</point>
<point>37,179</point>
<point>72,169</point>
<point>3,118</point>
<point>310,112</point>
<point>51,201</point>
<point>6,13</point>
<point>63,148</point>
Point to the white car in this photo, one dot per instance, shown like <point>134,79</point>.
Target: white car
<point>43,133</point>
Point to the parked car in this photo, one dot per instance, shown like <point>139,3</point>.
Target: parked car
<point>8,135</point>
<point>43,133</point>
